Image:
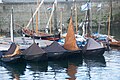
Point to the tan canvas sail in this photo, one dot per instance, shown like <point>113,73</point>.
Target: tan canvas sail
<point>70,41</point>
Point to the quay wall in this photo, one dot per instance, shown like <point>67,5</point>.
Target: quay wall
<point>22,13</point>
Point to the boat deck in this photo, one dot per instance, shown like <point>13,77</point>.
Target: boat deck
<point>24,42</point>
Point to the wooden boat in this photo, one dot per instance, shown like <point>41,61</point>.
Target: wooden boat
<point>93,48</point>
<point>70,40</point>
<point>113,42</point>
<point>68,50</point>
<point>35,33</point>
<point>56,51</point>
<point>13,55</point>
<point>34,53</point>
<point>40,35</point>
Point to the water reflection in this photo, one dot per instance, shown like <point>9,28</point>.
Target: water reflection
<point>86,68</point>
<point>68,66</point>
<point>115,48</point>
<point>36,70</point>
<point>15,70</point>
<point>37,66</point>
<point>94,62</point>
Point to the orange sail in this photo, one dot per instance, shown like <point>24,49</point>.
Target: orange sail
<point>70,40</point>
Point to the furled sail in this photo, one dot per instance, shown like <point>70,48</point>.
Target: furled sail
<point>54,47</point>
<point>92,44</point>
<point>70,40</point>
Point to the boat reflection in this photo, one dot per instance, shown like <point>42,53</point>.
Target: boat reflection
<point>69,66</point>
<point>16,70</point>
<point>71,71</point>
<point>98,61</point>
<point>37,66</point>
<point>115,48</point>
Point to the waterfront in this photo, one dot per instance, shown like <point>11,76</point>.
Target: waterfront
<point>102,68</point>
<point>106,67</point>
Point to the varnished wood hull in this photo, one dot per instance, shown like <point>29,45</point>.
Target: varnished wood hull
<point>115,44</point>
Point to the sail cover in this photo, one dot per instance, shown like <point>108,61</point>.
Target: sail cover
<point>11,49</point>
<point>92,44</point>
<point>34,49</point>
<point>54,47</point>
<point>70,40</point>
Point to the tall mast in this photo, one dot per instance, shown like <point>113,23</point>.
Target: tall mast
<point>55,17</point>
<point>88,17</point>
<point>76,19</point>
<point>32,27</point>
<point>34,13</point>
<point>37,18</point>
<point>12,26</point>
<point>99,19</point>
<point>99,23</point>
<point>51,26</point>
<point>61,20</point>
<point>109,18</point>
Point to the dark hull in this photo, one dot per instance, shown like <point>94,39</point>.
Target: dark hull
<point>16,59</point>
<point>95,52</point>
<point>44,37</point>
<point>40,57</point>
<point>64,55</point>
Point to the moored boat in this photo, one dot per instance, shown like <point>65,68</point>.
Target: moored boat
<point>13,55</point>
<point>93,48</point>
<point>56,51</point>
<point>34,53</point>
<point>70,41</point>
<point>40,35</point>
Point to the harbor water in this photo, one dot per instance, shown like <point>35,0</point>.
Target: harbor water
<point>106,67</point>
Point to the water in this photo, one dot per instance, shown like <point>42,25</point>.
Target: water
<point>106,67</point>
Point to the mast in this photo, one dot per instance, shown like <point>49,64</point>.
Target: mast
<point>51,26</point>
<point>32,27</point>
<point>37,19</point>
<point>34,13</point>
<point>76,19</point>
<point>109,18</point>
<point>109,22</point>
<point>55,17</point>
<point>50,18</point>
<point>99,20</point>
<point>61,20</point>
<point>12,26</point>
<point>88,17</point>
